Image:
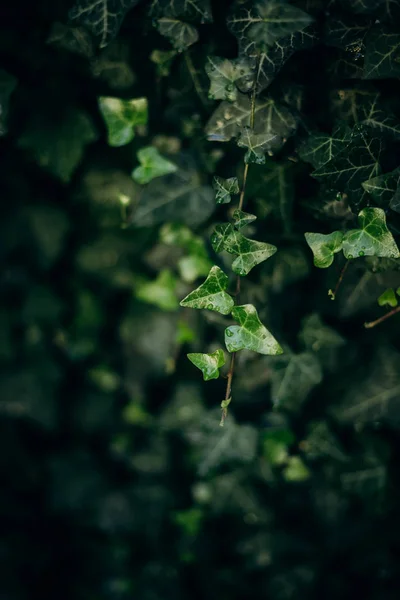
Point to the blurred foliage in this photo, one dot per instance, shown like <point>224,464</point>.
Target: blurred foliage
<point>118,482</point>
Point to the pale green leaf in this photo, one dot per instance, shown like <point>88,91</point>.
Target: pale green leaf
<point>383,188</point>
<point>241,218</point>
<point>102,17</point>
<point>372,238</point>
<point>320,148</point>
<point>324,247</point>
<point>250,334</point>
<point>296,470</point>
<point>180,34</point>
<point>121,118</point>
<point>388,298</point>
<point>8,83</point>
<point>161,292</point>
<point>223,74</point>
<point>209,364</point>
<point>250,252</point>
<point>211,294</point>
<point>225,188</point>
<point>152,165</point>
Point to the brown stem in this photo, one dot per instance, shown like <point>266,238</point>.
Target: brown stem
<point>339,281</point>
<point>383,318</point>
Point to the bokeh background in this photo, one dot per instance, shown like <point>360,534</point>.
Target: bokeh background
<point>117,481</point>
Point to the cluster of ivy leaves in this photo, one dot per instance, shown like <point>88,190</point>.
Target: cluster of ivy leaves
<point>121,122</point>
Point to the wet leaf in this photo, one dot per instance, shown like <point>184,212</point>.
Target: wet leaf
<point>121,118</point>
<point>223,74</point>
<point>250,334</point>
<point>211,294</point>
<point>324,247</point>
<point>241,218</point>
<point>209,364</point>
<point>225,188</point>
<point>372,238</point>
<point>152,165</point>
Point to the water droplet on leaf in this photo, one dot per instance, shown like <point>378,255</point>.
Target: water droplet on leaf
<point>210,306</point>
<point>361,253</point>
<point>350,256</point>
<point>229,333</point>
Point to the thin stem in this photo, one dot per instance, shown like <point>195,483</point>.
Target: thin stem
<point>383,318</point>
<point>339,281</point>
<point>193,73</point>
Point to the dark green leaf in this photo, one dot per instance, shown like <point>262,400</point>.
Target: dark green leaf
<point>293,377</point>
<point>324,247</point>
<point>152,165</point>
<point>224,188</point>
<point>382,55</point>
<point>320,148</point>
<point>194,10</point>
<point>163,60</point>
<point>241,219</point>
<point>250,334</point>
<point>121,117</point>
<point>102,17</point>
<point>209,364</point>
<point>223,74</point>
<point>8,83</point>
<point>195,263</point>
<point>180,34</point>
<point>383,188</point>
<point>211,294</point>
<point>346,32</point>
<point>250,252</point>
<point>372,238</point>
<point>257,144</point>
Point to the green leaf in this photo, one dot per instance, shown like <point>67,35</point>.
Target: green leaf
<point>193,10</point>
<point>372,238</point>
<point>293,376</point>
<point>180,34</point>
<point>152,165</point>
<point>257,144</point>
<point>72,39</point>
<point>320,148</point>
<point>383,188</point>
<point>250,334</point>
<point>209,364</point>
<point>296,470</point>
<point>270,118</point>
<point>388,298</point>
<point>8,83</point>
<point>102,17</point>
<point>276,446</point>
<point>58,142</point>
<point>211,294</point>
<point>241,218</point>
<point>196,262</point>
<point>223,74</point>
<point>346,32</point>
<point>267,21</point>
<point>121,118</point>
<point>350,169</point>
<point>161,292</point>
<point>163,60</point>
<point>178,197</point>
<point>224,188</point>
<point>382,55</point>
<point>250,252</point>
<point>324,247</point>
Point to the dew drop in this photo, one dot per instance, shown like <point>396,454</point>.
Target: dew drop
<point>350,256</point>
<point>230,87</point>
<point>361,253</point>
<point>229,333</point>
<point>210,306</point>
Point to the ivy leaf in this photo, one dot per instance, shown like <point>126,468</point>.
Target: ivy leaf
<point>58,142</point>
<point>270,118</point>
<point>346,32</point>
<point>350,169</point>
<point>211,294</point>
<point>320,148</point>
<point>102,17</point>
<point>8,83</point>
<point>180,34</point>
<point>361,6</point>
<point>223,74</point>
<point>324,247</point>
<point>224,188</point>
<point>194,10</point>
<point>163,60</point>
<point>395,201</point>
<point>388,298</point>
<point>195,263</point>
<point>209,364</point>
<point>383,187</point>
<point>372,238</point>
<point>293,377</point>
<point>382,55</point>
<point>121,118</point>
<point>257,144</point>
<point>178,197</point>
<point>161,292</point>
<point>241,218</point>
<point>250,334</point>
<point>250,252</point>
<point>267,21</point>
<point>152,165</point>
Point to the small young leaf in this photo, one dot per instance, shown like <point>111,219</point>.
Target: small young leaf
<point>257,144</point>
<point>241,218</point>
<point>152,165</point>
<point>211,294</point>
<point>161,292</point>
<point>324,247</point>
<point>250,334</point>
<point>372,238</point>
<point>121,118</point>
<point>180,34</point>
<point>383,187</point>
<point>209,364</point>
<point>388,298</point>
<point>8,83</point>
<point>223,74</point>
<point>250,252</point>
<point>224,188</point>
<point>163,60</point>
<point>296,470</point>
